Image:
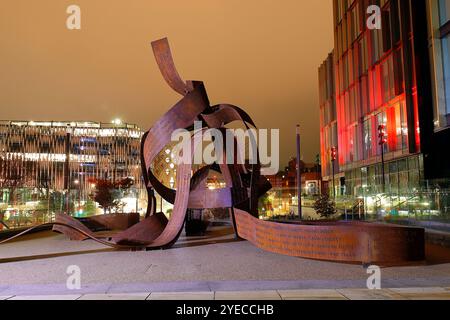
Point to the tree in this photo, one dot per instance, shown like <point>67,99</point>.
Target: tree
<point>108,194</point>
<point>89,208</point>
<point>265,203</point>
<point>325,207</point>
<point>12,175</point>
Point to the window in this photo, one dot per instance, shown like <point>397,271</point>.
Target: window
<point>401,128</point>
<point>398,72</point>
<point>376,90</point>
<point>354,143</point>
<point>444,11</point>
<point>395,22</point>
<point>385,81</point>
<point>382,120</point>
<point>386,23</point>
<point>392,175</point>
<point>403,176</point>
<point>440,53</point>
<point>367,136</point>
<point>363,56</point>
<point>365,96</point>
<point>333,135</point>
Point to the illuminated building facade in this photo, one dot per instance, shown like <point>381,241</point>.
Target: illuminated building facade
<point>383,79</point>
<point>66,157</point>
<point>439,41</point>
<point>328,124</point>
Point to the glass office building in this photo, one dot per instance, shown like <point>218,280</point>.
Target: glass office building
<point>328,125</point>
<point>396,77</point>
<point>439,39</point>
<point>38,158</point>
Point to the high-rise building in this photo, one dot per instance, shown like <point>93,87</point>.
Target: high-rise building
<point>388,85</point>
<point>38,157</point>
<point>328,125</point>
<point>438,12</point>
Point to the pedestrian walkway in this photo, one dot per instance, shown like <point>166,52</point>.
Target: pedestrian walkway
<point>430,293</point>
<point>212,267</point>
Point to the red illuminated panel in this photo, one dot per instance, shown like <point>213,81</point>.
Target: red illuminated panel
<point>416,120</point>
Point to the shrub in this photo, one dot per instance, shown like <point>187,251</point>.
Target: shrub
<point>325,207</point>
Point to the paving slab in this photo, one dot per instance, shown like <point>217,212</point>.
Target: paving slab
<point>172,286</point>
<point>206,266</point>
<point>366,294</point>
<point>5,297</point>
<point>433,293</point>
<point>314,294</point>
<point>54,289</point>
<point>181,296</point>
<point>419,290</point>
<point>49,297</point>
<point>247,295</point>
<point>115,296</point>
<point>47,244</point>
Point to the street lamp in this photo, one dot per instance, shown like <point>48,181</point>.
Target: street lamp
<point>77,183</point>
<point>382,135</point>
<point>333,159</point>
<point>299,175</point>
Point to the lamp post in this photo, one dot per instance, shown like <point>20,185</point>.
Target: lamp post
<point>382,141</point>
<point>333,159</point>
<point>299,176</point>
<point>319,176</point>
<point>77,183</point>
<point>67,201</point>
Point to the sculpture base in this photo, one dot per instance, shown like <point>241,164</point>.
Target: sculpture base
<point>335,241</point>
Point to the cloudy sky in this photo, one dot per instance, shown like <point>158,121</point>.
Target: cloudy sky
<point>261,55</point>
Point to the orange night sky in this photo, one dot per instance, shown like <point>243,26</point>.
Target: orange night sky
<point>261,55</point>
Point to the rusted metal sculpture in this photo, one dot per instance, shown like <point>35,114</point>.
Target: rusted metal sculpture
<point>338,241</point>
<point>113,222</point>
<point>348,242</point>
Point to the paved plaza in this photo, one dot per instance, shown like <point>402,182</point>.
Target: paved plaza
<point>434,293</point>
<point>213,267</point>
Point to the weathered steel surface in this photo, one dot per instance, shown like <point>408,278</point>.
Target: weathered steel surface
<point>109,222</point>
<point>349,242</point>
<point>163,56</point>
<point>64,227</point>
<point>144,232</point>
<point>115,221</point>
<point>81,231</point>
